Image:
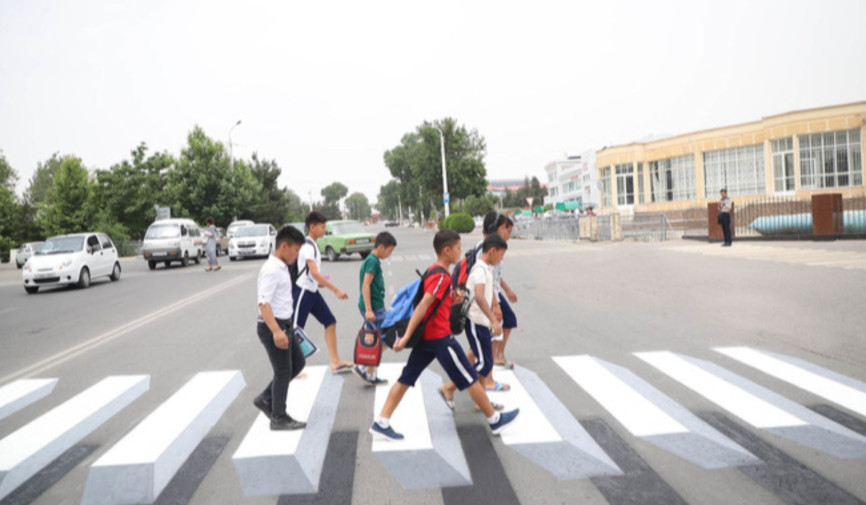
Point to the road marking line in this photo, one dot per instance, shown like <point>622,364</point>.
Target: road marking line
<point>142,463</point>
<point>76,350</point>
<point>21,393</point>
<point>816,381</point>
<point>31,448</point>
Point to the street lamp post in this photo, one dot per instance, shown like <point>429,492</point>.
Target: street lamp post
<point>232,169</point>
<point>445,196</point>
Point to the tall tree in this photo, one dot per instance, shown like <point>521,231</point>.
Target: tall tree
<point>390,200</point>
<point>333,193</point>
<point>272,204</point>
<point>8,207</point>
<point>42,182</point>
<point>358,206</point>
<point>68,208</point>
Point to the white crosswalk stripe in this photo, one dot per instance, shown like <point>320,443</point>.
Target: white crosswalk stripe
<point>21,393</point>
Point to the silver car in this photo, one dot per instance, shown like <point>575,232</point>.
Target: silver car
<point>25,252</point>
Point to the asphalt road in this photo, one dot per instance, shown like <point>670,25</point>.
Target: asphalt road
<point>605,300</point>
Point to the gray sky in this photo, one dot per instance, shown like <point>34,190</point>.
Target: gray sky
<point>324,88</point>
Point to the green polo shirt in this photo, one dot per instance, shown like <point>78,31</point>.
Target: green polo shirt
<point>372,265</point>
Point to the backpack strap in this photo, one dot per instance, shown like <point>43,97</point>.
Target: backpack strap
<point>436,269</point>
<point>301,271</point>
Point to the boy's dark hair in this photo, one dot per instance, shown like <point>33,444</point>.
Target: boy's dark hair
<point>315,217</point>
<point>385,239</point>
<point>493,220</point>
<point>209,220</point>
<point>493,241</point>
<point>290,235</point>
<point>443,239</point>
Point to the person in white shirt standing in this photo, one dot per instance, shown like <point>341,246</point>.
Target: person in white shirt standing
<point>274,291</point>
<point>481,323</point>
<point>308,299</point>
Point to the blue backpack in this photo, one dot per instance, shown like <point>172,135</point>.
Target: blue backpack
<point>403,306</point>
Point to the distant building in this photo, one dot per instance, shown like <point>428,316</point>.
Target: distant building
<point>572,180</point>
<point>498,187</point>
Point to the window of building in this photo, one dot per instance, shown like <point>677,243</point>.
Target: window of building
<point>625,184</point>
<point>830,160</point>
<point>739,169</point>
<point>673,179</point>
<point>640,192</point>
<point>783,164</point>
<point>606,187</point>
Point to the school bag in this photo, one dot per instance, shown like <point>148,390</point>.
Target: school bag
<point>296,273</point>
<point>404,303</point>
<point>368,347</point>
<point>460,274</point>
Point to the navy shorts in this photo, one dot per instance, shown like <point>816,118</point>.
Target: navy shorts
<point>479,341</point>
<point>509,320</point>
<point>308,302</point>
<point>448,353</point>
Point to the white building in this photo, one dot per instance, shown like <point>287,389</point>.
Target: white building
<point>573,180</point>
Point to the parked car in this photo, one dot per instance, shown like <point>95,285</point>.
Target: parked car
<point>390,224</point>
<point>222,242</point>
<point>253,240</point>
<point>300,226</point>
<point>345,237</point>
<point>25,251</point>
<point>170,240</point>
<point>234,225</point>
<point>71,259</point>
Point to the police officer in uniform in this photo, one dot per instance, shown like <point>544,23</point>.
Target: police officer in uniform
<point>725,206</point>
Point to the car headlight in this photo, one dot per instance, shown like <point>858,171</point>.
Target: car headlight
<point>263,243</point>
<point>67,263</point>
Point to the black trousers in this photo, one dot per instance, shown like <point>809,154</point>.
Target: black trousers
<point>287,364</point>
<point>725,221</point>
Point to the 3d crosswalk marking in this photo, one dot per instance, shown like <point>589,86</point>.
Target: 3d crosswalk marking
<point>140,465</point>
<point>290,462</point>
<point>647,413</point>
<point>837,388</point>
<point>21,393</point>
<point>759,406</point>
<point>431,455</point>
<point>546,432</point>
<point>31,448</point>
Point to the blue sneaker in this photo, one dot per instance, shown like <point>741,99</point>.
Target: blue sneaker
<point>505,419</point>
<point>388,432</point>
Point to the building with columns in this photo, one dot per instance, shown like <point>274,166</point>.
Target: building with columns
<point>796,153</point>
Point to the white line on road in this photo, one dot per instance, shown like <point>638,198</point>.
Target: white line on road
<point>68,354</point>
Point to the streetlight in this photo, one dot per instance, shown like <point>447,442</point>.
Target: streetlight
<point>445,196</point>
<point>232,168</point>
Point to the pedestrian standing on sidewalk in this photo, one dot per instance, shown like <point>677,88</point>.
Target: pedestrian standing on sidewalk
<point>210,246</point>
<point>725,207</point>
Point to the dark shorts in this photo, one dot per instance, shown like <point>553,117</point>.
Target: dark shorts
<point>479,341</point>
<point>509,320</point>
<point>308,302</point>
<point>450,356</point>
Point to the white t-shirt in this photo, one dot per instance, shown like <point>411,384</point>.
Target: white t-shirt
<point>274,287</point>
<point>481,273</point>
<point>497,270</point>
<point>309,252</point>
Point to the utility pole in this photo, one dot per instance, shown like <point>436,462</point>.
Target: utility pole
<point>445,196</point>
<point>232,168</point>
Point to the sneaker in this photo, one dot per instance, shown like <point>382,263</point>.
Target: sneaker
<point>505,419</point>
<point>263,405</point>
<point>286,423</point>
<point>377,381</point>
<point>388,432</point>
<point>362,374</point>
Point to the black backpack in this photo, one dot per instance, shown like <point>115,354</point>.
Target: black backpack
<point>296,273</point>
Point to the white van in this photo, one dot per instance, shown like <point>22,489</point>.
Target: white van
<point>232,230</point>
<point>170,240</point>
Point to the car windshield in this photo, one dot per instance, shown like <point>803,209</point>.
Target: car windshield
<point>344,228</point>
<point>252,231</point>
<point>58,245</point>
<point>157,231</point>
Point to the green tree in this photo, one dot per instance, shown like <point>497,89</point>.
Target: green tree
<point>9,208</point>
<point>479,205</point>
<point>297,209</point>
<point>206,182</point>
<point>333,193</point>
<point>68,208</point>
<point>389,200</point>
<point>42,182</point>
<point>358,206</point>
<point>273,204</point>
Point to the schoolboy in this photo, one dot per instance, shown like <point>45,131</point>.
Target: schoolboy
<point>274,328</point>
<point>438,343</point>
<point>502,225</point>
<point>308,299</point>
<point>480,318</point>
<point>372,299</point>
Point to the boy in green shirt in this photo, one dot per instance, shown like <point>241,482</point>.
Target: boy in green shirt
<point>372,299</point>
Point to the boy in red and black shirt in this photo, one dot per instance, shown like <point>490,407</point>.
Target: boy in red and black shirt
<point>438,343</point>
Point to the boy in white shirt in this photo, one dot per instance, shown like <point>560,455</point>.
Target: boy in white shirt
<point>481,323</point>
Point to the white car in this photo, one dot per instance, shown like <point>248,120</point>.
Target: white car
<point>71,259</point>
<point>232,230</point>
<point>171,240</point>
<point>25,251</point>
<point>253,240</point>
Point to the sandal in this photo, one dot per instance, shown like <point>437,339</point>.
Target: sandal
<point>499,388</point>
<point>496,406</point>
<point>217,268</point>
<point>343,368</point>
<point>448,402</point>
<point>508,364</point>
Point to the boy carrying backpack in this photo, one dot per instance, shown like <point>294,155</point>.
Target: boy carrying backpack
<point>372,299</point>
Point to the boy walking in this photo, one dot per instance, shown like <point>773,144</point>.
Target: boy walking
<point>372,299</point>
<point>480,318</point>
<point>501,225</point>
<point>274,328</point>
<point>438,343</point>
<point>308,299</point>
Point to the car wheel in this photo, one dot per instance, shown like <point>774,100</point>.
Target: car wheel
<point>84,278</point>
<point>364,254</point>
<point>31,289</point>
<point>115,273</point>
<point>19,265</point>
<point>151,265</point>
<point>185,260</point>
<point>332,254</point>
<point>232,258</point>
<point>198,258</point>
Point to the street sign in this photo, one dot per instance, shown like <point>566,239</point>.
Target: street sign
<point>529,200</point>
<point>446,197</point>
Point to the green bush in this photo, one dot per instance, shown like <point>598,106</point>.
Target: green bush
<point>445,223</point>
<point>459,222</point>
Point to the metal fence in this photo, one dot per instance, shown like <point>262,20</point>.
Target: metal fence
<point>548,229</point>
<point>643,227</point>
